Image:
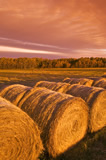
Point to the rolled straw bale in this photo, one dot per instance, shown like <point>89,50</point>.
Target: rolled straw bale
<point>46,84</point>
<point>55,86</point>
<point>61,87</point>
<point>96,100</point>
<point>100,83</point>
<point>81,81</point>
<point>92,96</point>
<point>14,92</point>
<point>94,78</point>
<point>63,119</point>
<point>19,135</point>
<point>66,80</point>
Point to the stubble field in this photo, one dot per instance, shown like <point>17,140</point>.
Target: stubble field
<point>30,77</point>
<point>92,146</point>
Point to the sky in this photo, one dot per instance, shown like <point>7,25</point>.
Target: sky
<point>53,28</point>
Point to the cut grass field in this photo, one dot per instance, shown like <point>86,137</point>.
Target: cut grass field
<point>92,147</point>
<point>30,77</point>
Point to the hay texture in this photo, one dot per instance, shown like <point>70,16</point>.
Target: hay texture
<point>63,119</point>
<point>81,81</point>
<point>100,83</point>
<point>14,93</point>
<point>96,100</point>
<point>46,84</point>
<point>55,86</point>
<point>19,135</point>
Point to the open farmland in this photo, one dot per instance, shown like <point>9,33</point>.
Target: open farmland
<point>92,146</point>
<point>30,77</point>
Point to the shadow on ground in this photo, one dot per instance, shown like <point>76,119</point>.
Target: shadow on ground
<point>92,147</point>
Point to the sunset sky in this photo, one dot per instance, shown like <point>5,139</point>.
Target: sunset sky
<point>53,28</point>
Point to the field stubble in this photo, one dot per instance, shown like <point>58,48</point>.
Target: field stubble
<point>30,77</point>
<point>93,145</point>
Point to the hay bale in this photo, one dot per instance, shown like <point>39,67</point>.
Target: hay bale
<point>94,78</point>
<point>55,86</point>
<point>61,87</point>
<point>14,92</point>
<point>93,97</point>
<point>66,80</point>
<point>46,84</point>
<point>81,81</point>
<point>19,135</point>
<point>100,83</point>
<point>63,119</point>
<point>96,100</point>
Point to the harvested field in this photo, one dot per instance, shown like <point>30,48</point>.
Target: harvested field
<point>29,77</point>
<point>63,119</point>
<point>19,135</point>
<point>14,93</point>
<point>92,147</point>
<point>81,81</point>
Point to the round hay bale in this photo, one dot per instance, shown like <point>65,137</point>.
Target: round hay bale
<point>14,92</point>
<point>63,119</point>
<point>59,87</point>
<point>66,80</point>
<point>96,100</point>
<point>46,84</point>
<point>81,81</point>
<point>100,83</point>
<point>94,78</point>
<point>19,135</point>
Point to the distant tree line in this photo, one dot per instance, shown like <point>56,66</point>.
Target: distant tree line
<point>30,63</point>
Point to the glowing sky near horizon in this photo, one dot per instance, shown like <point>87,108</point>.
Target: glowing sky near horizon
<point>73,27</point>
<point>23,50</point>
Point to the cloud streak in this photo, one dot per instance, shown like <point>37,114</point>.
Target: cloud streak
<point>31,44</point>
<point>23,50</point>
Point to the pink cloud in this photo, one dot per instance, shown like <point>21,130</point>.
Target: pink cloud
<point>75,24</point>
